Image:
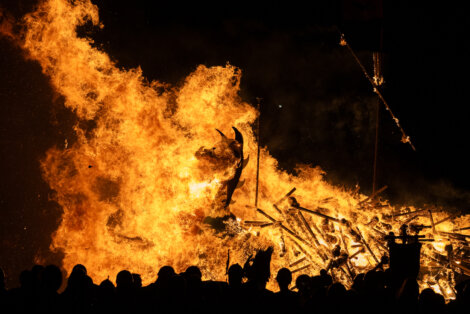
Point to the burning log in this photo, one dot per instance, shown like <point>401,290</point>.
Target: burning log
<point>293,203</point>
<point>325,200</point>
<point>285,196</point>
<point>308,255</point>
<point>343,241</point>
<point>298,261</point>
<point>373,221</point>
<point>373,195</point>
<point>455,235</point>
<point>266,225</point>
<point>307,226</point>
<point>462,229</point>
<point>295,221</point>
<point>432,221</point>
<point>277,209</point>
<point>350,230</point>
<point>362,250</point>
<point>379,232</point>
<point>317,213</point>
<point>318,230</point>
<point>278,223</point>
<point>446,219</point>
<point>301,268</point>
<point>293,234</point>
<point>255,222</point>
<point>262,212</point>
<point>410,219</point>
<point>441,261</point>
<point>409,213</point>
<point>367,246</point>
<point>464,269</point>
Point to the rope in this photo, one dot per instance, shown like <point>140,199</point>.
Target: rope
<point>404,138</point>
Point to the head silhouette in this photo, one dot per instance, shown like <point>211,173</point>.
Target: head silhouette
<point>166,273</point>
<point>336,291</point>
<point>303,284</point>
<point>79,268</point>
<point>326,278</point>
<point>193,275</point>
<point>37,272</point>
<point>106,289</point>
<point>235,275</point>
<point>284,278</point>
<point>52,277</point>
<point>124,280</point>
<point>107,285</point>
<point>26,279</point>
<point>431,302</point>
<point>77,277</point>
<point>137,280</point>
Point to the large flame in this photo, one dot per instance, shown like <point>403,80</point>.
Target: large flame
<point>135,196</point>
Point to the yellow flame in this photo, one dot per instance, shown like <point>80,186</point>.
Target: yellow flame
<point>134,195</point>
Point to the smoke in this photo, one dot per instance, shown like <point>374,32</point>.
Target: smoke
<point>423,192</point>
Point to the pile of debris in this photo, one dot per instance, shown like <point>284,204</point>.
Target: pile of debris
<point>323,238</point>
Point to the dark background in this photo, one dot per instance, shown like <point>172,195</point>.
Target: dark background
<point>317,107</point>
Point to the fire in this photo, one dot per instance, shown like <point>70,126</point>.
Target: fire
<point>135,196</point>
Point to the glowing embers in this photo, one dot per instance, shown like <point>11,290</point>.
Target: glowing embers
<point>345,244</point>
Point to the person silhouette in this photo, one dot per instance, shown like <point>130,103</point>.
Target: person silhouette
<point>284,278</point>
<point>137,281</point>
<point>157,295</point>
<point>106,298</point>
<point>49,300</point>
<point>79,293</point>
<point>125,292</point>
<point>235,276</point>
<point>255,294</point>
<point>285,299</point>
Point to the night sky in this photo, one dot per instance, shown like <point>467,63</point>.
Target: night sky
<point>317,107</point>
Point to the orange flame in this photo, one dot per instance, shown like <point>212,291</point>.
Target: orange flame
<point>133,193</point>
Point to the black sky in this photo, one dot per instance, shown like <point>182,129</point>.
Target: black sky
<point>317,106</point>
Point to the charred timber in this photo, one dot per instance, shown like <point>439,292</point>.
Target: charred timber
<point>317,213</point>
<point>409,213</point>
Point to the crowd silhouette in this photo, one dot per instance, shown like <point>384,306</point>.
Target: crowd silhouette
<point>245,292</point>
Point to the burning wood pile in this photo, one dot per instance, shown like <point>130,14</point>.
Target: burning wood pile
<point>138,186</point>
<point>325,239</point>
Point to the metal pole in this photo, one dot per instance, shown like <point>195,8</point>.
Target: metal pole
<point>257,158</point>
